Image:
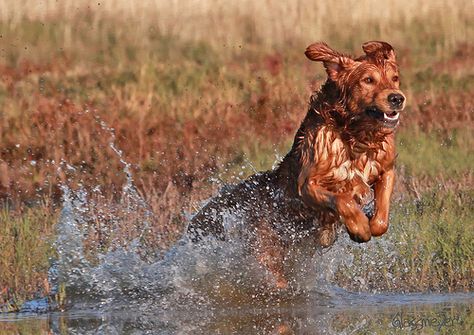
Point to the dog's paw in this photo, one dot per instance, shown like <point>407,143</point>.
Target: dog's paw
<point>327,237</point>
<point>360,238</point>
<point>378,225</point>
<point>359,229</point>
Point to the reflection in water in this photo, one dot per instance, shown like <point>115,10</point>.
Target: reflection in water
<point>341,314</point>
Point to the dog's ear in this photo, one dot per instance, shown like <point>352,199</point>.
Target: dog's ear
<point>333,61</point>
<point>379,50</point>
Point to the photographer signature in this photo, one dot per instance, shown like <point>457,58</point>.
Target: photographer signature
<point>415,322</point>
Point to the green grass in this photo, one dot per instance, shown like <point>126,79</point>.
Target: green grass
<point>25,252</point>
<point>436,238</point>
<point>435,153</point>
<point>429,247</point>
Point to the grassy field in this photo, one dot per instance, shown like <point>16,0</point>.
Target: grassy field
<point>200,93</point>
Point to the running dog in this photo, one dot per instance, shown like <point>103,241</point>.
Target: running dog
<point>342,159</point>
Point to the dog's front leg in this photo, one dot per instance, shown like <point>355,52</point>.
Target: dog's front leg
<point>383,192</point>
<point>344,204</point>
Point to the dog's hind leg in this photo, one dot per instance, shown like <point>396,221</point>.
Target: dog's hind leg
<point>270,252</point>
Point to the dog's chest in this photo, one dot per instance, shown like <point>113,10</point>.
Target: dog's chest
<point>341,168</point>
<point>361,168</point>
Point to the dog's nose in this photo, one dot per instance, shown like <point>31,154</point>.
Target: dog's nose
<point>396,99</point>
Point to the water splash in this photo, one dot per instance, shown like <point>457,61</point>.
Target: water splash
<point>111,272</point>
<point>211,273</point>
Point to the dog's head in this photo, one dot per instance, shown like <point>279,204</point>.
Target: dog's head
<point>369,85</point>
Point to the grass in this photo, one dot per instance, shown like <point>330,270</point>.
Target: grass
<point>25,252</point>
<point>449,154</point>
<point>41,327</point>
<point>193,105</point>
<point>440,255</point>
<point>432,238</point>
<point>247,22</point>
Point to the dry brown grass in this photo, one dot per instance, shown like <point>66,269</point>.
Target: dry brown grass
<point>268,22</point>
<point>40,132</point>
<point>186,140</point>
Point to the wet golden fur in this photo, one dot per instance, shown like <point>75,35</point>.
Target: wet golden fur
<point>342,158</point>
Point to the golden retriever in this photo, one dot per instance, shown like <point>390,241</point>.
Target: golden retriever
<point>342,158</point>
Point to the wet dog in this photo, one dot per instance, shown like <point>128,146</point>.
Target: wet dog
<point>342,158</point>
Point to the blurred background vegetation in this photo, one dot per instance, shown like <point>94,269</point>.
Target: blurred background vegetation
<point>199,93</point>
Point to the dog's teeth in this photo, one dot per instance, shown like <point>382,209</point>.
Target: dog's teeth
<point>395,117</point>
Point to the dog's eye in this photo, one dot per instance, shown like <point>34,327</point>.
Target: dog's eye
<point>395,78</point>
<point>368,80</point>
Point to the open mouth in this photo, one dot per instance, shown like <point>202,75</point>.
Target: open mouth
<point>393,116</point>
<point>388,119</point>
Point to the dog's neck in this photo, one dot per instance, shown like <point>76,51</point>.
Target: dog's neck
<point>329,104</point>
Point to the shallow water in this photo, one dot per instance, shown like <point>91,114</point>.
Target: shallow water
<point>338,313</point>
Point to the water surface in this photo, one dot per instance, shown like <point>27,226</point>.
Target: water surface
<point>338,313</point>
